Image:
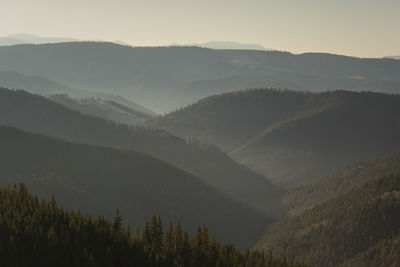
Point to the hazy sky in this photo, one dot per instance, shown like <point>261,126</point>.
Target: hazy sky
<point>365,28</point>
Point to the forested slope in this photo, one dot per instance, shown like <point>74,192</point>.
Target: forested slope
<point>339,182</point>
<point>360,227</point>
<point>38,114</point>
<point>292,137</point>
<point>99,180</point>
<point>39,233</point>
<point>231,119</point>
<point>335,129</point>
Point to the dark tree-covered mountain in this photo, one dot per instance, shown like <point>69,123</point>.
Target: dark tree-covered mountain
<point>38,114</point>
<point>291,137</point>
<point>231,119</point>
<point>335,129</point>
<point>165,78</point>
<point>352,176</point>
<point>39,233</point>
<point>99,180</point>
<point>107,109</point>
<point>360,228</point>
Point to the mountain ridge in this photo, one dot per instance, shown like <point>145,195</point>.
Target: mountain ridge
<point>165,78</point>
<point>88,178</point>
<point>34,113</point>
<point>292,137</point>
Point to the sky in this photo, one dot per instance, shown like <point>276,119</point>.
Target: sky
<point>363,28</point>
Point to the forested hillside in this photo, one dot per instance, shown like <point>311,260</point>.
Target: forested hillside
<point>292,137</point>
<point>352,176</point>
<point>98,180</point>
<point>38,114</point>
<point>360,228</point>
<point>166,78</point>
<point>107,109</point>
<point>39,233</point>
<point>231,119</point>
<point>337,128</point>
<point>199,133</point>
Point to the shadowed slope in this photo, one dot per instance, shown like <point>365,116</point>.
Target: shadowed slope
<point>99,180</point>
<point>38,114</point>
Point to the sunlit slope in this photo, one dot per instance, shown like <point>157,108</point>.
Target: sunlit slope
<point>361,227</point>
<point>339,182</point>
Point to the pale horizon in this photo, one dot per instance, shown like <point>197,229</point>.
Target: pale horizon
<point>360,28</point>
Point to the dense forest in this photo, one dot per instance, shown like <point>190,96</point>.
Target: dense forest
<point>39,233</point>
<point>292,137</point>
<point>359,228</point>
<point>339,182</point>
<point>336,129</point>
<point>38,114</point>
<point>97,180</point>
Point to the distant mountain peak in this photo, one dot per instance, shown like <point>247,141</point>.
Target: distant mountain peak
<point>25,38</point>
<point>393,57</point>
<point>231,45</point>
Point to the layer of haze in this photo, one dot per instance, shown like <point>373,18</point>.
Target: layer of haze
<point>365,28</point>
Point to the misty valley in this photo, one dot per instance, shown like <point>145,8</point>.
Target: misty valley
<point>219,154</point>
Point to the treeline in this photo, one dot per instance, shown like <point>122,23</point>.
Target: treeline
<point>34,232</point>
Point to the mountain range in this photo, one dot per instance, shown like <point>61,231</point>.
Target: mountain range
<point>303,171</point>
<point>38,114</point>
<point>24,38</point>
<point>394,57</point>
<point>167,78</point>
<point>229,45</point>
